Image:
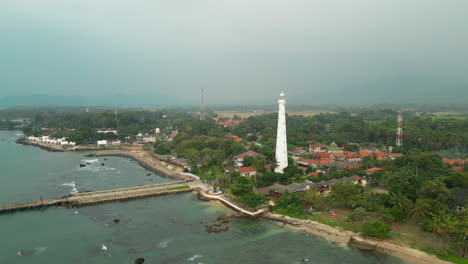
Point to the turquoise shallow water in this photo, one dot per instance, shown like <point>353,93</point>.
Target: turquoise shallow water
<point>147,229</point>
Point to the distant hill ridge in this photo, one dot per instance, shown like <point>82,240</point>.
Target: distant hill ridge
<point>121,100</point>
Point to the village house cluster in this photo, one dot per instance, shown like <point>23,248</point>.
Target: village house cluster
<point>321,157</point>
<point>52,141</point>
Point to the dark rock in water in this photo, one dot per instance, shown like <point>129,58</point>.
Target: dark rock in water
<point>224,218</point>
<point>149,174</point>
<point>361,244</point>
<point>82,165</point>
<point>105,159</point>
<point>87,163</point>
<point>209,229</point>
<point>116,221</point>
<point>102,164</point>
<point>221,229</point>
<point>139,260</point>
<point>217,224</point>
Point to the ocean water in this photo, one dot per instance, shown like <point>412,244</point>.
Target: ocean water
<point>168,229</point>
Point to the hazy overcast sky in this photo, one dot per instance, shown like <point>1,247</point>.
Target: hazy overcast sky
<point>318,51</point>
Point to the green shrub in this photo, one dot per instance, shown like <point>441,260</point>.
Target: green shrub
<point>375,229</point>
<point>397,213</point>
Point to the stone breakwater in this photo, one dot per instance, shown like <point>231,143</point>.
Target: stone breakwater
<point>145,160</point>
<point>353,240</point>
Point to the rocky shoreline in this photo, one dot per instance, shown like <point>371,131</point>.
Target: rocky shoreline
<point>335,234</point>
<point>353,240</point>
<point>46,147</point>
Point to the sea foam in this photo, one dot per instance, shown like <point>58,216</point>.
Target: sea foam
<point>73,185</point>
<point>195,257</point>
<point>90,160</point>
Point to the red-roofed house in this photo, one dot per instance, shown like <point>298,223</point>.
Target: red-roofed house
<point>322,155</point>
<point>349,166</point>
<point>246,171</point>
<point>326,161</point>
<point>240,158</point>
<point>300,150</point>
<point>314,174</point>
<point>227,123</point>
<point>372,170</point>
<point>234,137</point>
<point>363,153</point>
<point>458,168</point>
<point>379,154</point>
<point>453,161</point>
<point>338,156</point>
<point>171,136</point>
<point>395,155</point>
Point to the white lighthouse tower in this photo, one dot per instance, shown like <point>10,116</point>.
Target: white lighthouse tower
<point>281,145</point>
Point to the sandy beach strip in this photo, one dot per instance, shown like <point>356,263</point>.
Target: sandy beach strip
<point>337,234</point>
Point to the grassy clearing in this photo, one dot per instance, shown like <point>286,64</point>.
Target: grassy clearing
<point>292,214</point>
<point>178,188</point>
<point>450,117</point>
<point>335,222</point>
<point>444,255</point>
<point>207,176</point>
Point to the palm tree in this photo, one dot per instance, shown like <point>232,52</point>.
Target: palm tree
<point>403,202</point>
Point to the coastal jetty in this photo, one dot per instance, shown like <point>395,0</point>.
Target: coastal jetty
<point>98,197</point>
<point>231,205</point>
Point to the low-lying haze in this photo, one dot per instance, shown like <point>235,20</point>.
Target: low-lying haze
<point>243,51</point>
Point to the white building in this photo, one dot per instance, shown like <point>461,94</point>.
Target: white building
<point>115,142</point>
<point>281,145</point>
<point>149,139</point>
<point>107,130</point>
<point>102,143</point>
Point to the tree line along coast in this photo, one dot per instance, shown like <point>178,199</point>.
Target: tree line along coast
<point>343,169</point>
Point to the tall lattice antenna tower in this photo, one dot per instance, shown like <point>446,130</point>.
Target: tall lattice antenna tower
<point>399,133</point>
<point>202,106</point>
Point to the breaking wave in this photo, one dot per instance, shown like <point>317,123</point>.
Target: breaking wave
<point>195,257</point>
<point>90,160</point>
<point>163,244</point>
<point>35,251</point>
<point>73,185</point>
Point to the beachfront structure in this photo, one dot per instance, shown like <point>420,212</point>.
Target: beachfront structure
<point>107,130</point>
<point>281,145</point>
<point>247,171</point>
<point>51,141</point>
<point>102,143</point>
